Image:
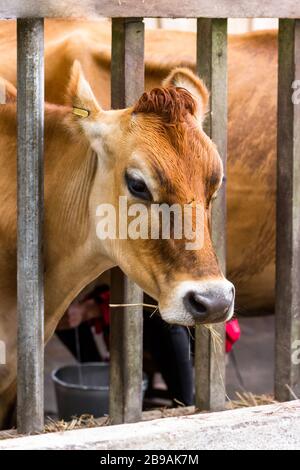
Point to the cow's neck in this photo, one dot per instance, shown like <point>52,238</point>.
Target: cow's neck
<point>72,258</point>
<point>66,281</point>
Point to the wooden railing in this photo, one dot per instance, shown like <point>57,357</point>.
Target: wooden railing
<point>127,85</point>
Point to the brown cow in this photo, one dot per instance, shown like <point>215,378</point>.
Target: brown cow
<point>251,172</point>
<point>251,127</point>
<point>153,153</point>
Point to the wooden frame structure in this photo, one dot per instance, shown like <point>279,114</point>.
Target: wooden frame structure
<point>127,84</point>
<point>152,8</point>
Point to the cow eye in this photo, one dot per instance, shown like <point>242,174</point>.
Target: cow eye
<point>137,187</point>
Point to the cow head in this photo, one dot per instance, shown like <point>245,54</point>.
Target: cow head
<point>154,153</point>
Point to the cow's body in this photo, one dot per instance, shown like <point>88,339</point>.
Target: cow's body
<point>251,121</point>
<point>70,264</point>
<point>250,174</point>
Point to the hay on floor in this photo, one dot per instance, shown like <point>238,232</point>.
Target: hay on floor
<point>243,400</point>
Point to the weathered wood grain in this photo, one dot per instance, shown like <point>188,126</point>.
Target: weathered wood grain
<point>30,225</point>
<point>151,8</point>
<point>287,377</point>
<point>126,343</point>
<point>212,68</point>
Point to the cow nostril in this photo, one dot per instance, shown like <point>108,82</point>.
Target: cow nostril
<point>195,303</point>
<point>210,305</point>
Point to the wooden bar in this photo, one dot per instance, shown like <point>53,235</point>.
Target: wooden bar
<point>151,8</point>
<point>212,68</point>
<point>287,375</point>
<point>30,104</point>
<point>126,343</point>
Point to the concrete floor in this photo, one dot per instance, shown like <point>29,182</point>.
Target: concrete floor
<point>254,356</point>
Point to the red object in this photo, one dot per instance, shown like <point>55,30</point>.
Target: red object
<point>233,334</point>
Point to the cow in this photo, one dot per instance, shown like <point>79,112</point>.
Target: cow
<point>251,167</point>
<point>154,152</point>
<point>252,102</point>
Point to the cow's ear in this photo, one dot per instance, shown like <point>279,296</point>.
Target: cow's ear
<point>185,78</point>
<point>80,95</point>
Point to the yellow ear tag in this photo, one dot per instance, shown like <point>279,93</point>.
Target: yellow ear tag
<point>192,203</point>
<point>81,112</point>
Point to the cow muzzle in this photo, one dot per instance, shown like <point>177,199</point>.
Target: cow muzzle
<point>200,302</point>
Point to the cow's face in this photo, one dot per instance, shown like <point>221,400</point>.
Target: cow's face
<point>152,154</point>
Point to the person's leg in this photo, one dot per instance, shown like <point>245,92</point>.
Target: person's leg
<point>183,366</point>
<point>169,347</point>
<point>88,350</point>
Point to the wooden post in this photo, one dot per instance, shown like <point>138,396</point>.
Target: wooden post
<point>287,376</point>
<point>212,68</point>
<point>126,342</point>
<point>30,104</point>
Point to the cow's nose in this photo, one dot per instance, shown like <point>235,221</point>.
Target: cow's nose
<point>210,303</point>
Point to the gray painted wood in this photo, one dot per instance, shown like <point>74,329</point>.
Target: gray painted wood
<point>287,377</point>
<point>126,323</point>
<point>30,221</point>
<point>151,8</point>
<point>212,68</point>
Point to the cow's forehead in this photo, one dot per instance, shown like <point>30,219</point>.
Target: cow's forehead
<point>181,157</point>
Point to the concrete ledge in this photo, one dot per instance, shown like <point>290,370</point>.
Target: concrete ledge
<point>264,427</point>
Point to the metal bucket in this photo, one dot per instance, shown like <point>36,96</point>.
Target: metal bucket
<point>83,389</point>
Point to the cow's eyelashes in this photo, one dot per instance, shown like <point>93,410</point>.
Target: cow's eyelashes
<point>212,199</point>
<point>137,187</point>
